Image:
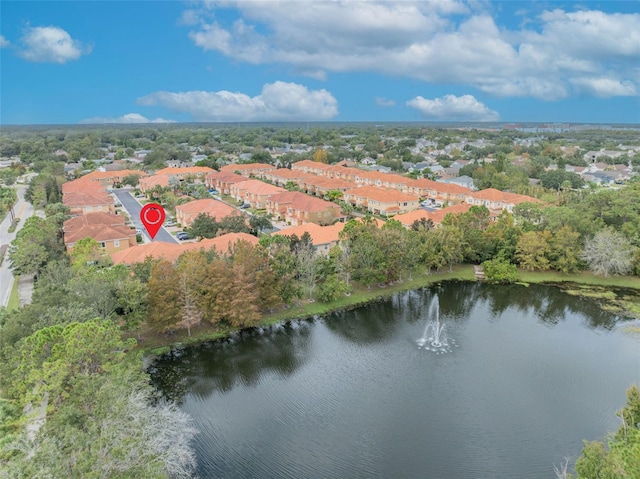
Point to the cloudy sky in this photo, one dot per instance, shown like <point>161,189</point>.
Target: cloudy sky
<point>308,60</point>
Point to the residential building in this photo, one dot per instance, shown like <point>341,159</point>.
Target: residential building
<point>497,200</point>
<point>296,208</point>
<point>187,212</point>
<point>223,244</point>
<point>88,201</point>
<point>190,171</point>
<point>407,219</point>
<point>223,181</point>
<point>381,201</point>
<point>254,192</point>
<point>248,169</point>
<point>107,229</point>
<point>323,237</point>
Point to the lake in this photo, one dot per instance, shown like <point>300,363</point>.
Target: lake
<point>529,372</point>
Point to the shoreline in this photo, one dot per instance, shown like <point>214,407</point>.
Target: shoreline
<point>162,344</point>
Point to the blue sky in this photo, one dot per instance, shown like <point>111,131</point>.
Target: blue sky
<point>136,62</point>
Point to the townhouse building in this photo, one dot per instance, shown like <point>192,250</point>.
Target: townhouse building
<point>187,212</point>
<point>380,201</point>
<point>297,208</point>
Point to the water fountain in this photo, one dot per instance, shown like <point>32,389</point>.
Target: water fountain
<point>434,338</point>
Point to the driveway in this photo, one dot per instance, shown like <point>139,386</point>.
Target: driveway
<point>132,206</point>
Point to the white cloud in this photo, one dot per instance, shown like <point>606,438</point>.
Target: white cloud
<point>278,101</point>
<point>447,42</point>
<point>605,87</point>
<point>381,101</point>
<point>4,42</point>
<point>51,44</point>
<point>128,118</point>
<point>453,108</point>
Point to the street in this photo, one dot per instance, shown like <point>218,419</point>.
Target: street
<point>133,208</point>
<point>23,210</point>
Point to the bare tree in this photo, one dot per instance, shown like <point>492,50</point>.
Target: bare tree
<point>307,264</point>
<point>191,315</point>
<point>562,470</point>
<point>608,252</point>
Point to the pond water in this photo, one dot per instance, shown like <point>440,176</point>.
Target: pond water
<point>527,374</point>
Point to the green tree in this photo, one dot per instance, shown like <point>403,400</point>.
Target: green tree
<point>164,299</point>
<point>204,226</point>
<point>532,250</point>
<point>499,270</point>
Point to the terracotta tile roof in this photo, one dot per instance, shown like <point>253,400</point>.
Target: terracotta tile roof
<point>99,233</point>
<point>329,183</point>
<point>287,174</point>
<point>111,175</point>
<point>320,235</point>
<point>247,167</point>
<point>151,181</point>
<point>77,199</point>
<point>438,186</point>
<point>384,177</point>
<point>172,252</point>
<point>383,195</point>
<point>214,208</point>
<point>225,177</point>
<point>302,202</point>
<point>82,184</point>
<point>310,164</point>
<point>493,195</point>
<point>257,187</point>
<point>189,170</point>
<point>437,216</point>
<point>99,218</point>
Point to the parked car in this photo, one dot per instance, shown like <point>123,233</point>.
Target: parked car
<point>245,206</point>
<point>183,235</point>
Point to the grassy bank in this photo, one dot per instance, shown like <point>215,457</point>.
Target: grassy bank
<point>581,278</point>
<point>14,299</point>
<point>157,343</point>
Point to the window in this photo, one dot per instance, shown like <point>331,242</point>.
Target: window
<point>103,244</point>
<point>89,208</point>
<point>99,207</point>
<point>116,243</point>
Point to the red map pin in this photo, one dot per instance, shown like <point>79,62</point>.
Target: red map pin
<point>152,216</point>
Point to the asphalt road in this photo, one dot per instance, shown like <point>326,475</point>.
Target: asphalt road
<point>23,210</point>
<point>132,206</point>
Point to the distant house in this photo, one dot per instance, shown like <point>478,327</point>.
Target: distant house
<point>187,212</point>
<point>296,208</point>
<point>464,181</point>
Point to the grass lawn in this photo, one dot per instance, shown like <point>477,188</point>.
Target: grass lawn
<point>14,300</point>
<point>582,278</point>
